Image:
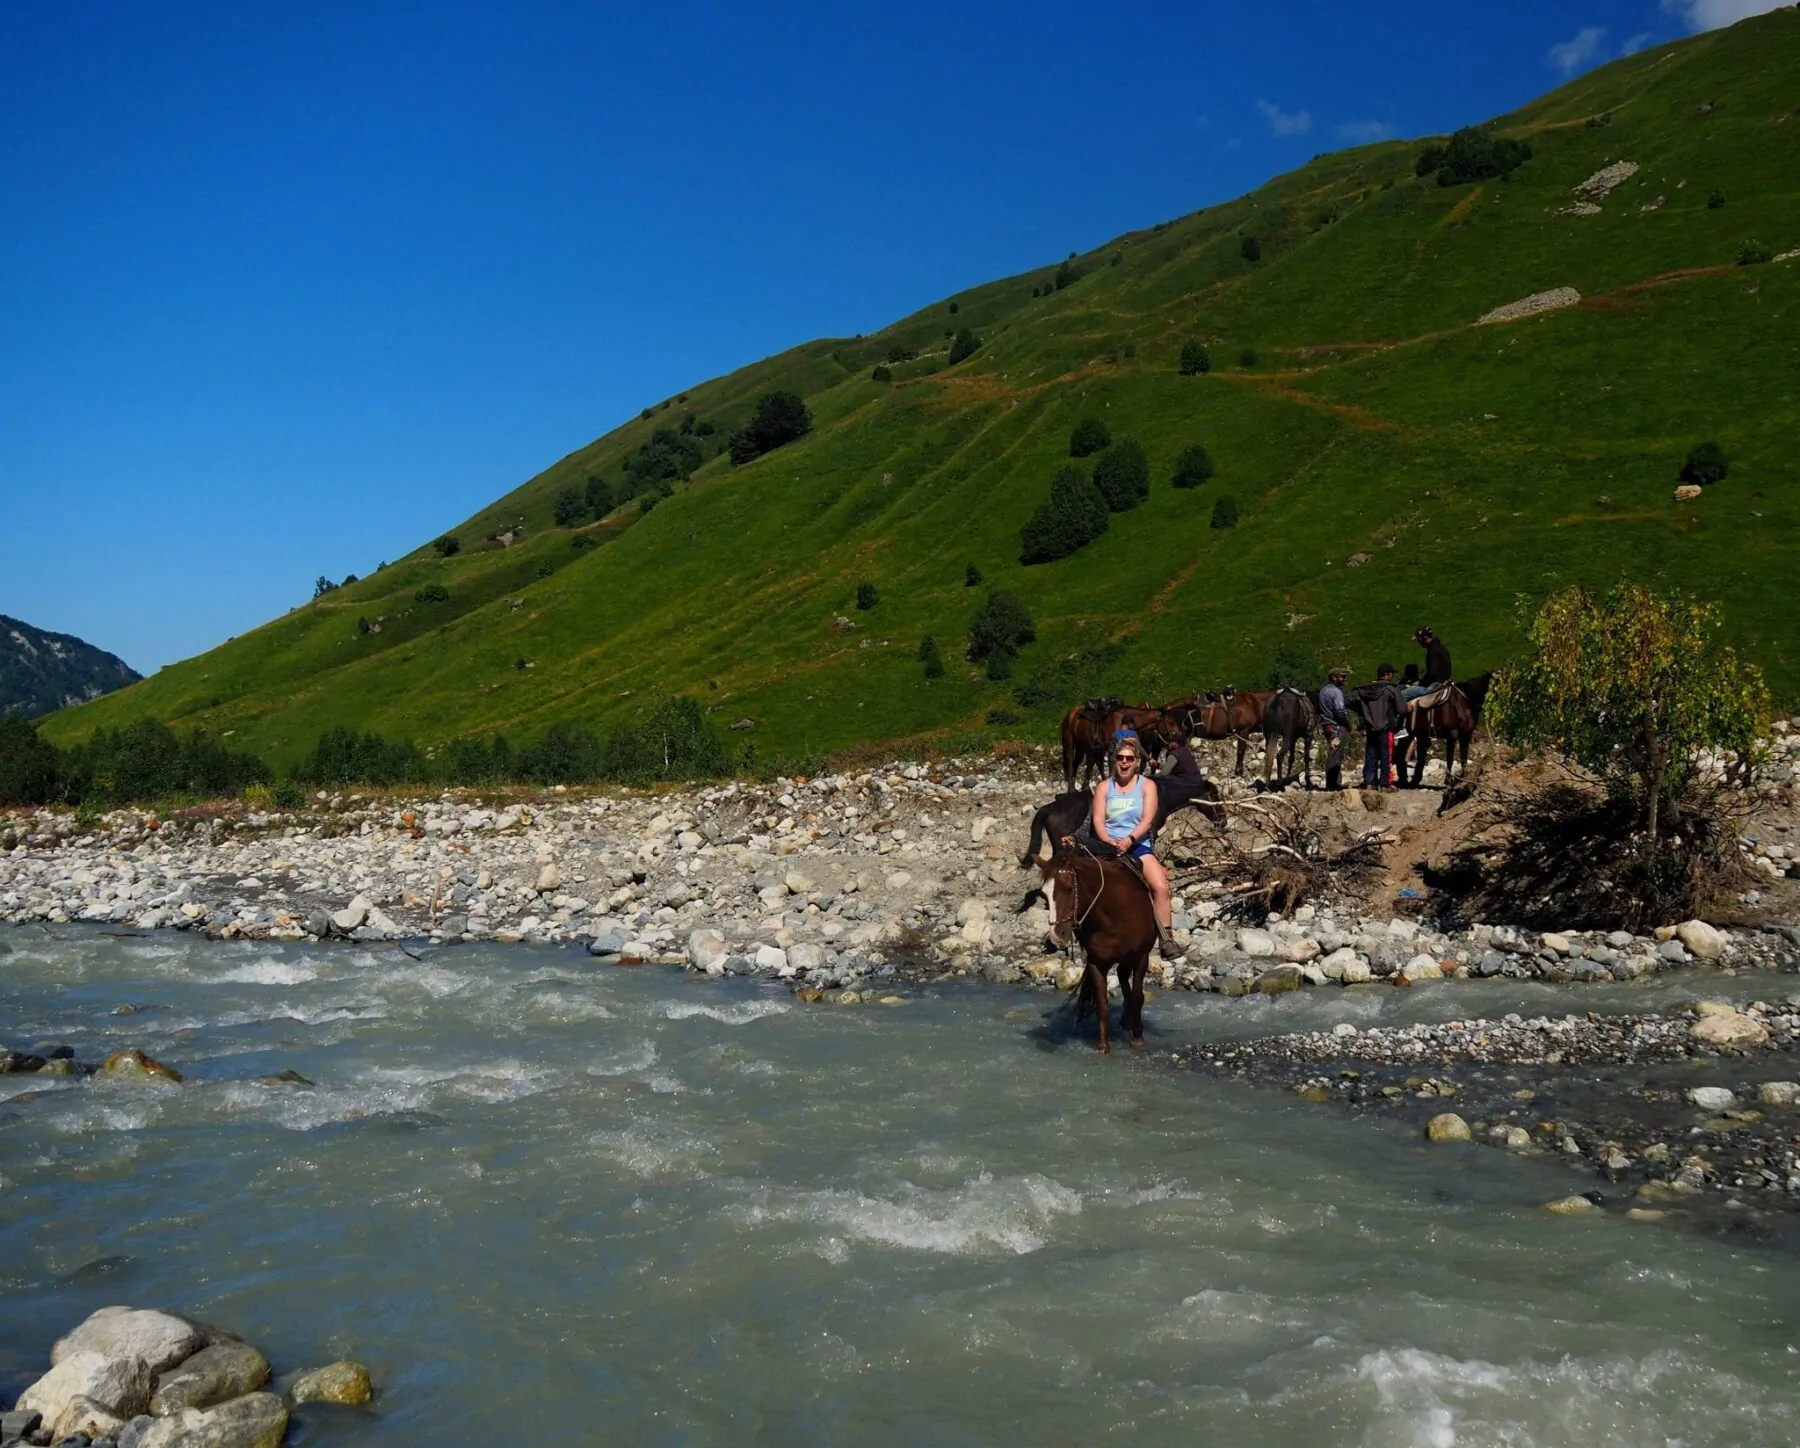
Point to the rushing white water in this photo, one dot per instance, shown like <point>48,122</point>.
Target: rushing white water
<point>550,1202</point>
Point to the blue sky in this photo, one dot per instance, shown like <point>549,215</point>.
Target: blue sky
<point>288,289</point>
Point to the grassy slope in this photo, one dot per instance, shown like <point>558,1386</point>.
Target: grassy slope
<point>1466,461</point>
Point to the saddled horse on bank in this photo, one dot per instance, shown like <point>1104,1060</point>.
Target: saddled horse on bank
<point>1289,717</point>
<point>1104,907</point>
<point>1229,714</point>
<point>1088,729</point>
<point>1453,714</point>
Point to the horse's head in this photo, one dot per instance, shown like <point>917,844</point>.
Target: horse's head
<point>1061,885</point>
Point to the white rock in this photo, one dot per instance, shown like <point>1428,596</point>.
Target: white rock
<point>1422,967</point>
<point>1256,942</point>
<point>978,830</point>
<point>706,949</point>
<point>1561,944</point>
<point>1711,1098</point>
<point>122,1385</point>
<point>1779,1093</point>
<point>548,880</point>
<point>804,957</point>
<point>898,880</point>
<point>1343,1028</point>
<point>1701,939</point>
<point>800,883</point>
<point>771,958</point>
<point>1356,971</point>
<point>1333,964</point>
<point>160,1339</point>
<point>353,914</point>
<point>1296,949</point>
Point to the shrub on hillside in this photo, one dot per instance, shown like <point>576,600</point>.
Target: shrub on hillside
<point>669,457</point>
<point>900,352</point>
<point>477,761</point>
<point>31,768</point>
<point>966,345</point>
<point>1250,249</point>
<point>571,507</point>
<point>344,756</point>
<point>931,658</point>
<point>1067,274</point>
<point>1472,155</point>
<point>599,497</point>
<point>432,593</point>
<point>1715,199</point>
<point>1090,436</point>
<point>1225,512</point>
<point>448,546</point>
<point>1070,518</point>
<point>1192,468</point>
<point>1000,628</point>
<point>323,586</point>
<point>1195,359</point>
<point>971,576</point>
<point>1248,358</point>
<point>779,419</point>
<point>1752,253</point>
<point>563,754</point>
<point>867,596</point>
<point>1123,475</point>
<point>674,743</point>
<point>1706,464</point>
<point>581,542</point>
<point>882,374</point>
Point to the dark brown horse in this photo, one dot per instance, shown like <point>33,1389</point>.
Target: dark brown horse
<point>1231,714</point>
<point>1105,906</point>
<point>1289,717</point>
<point>1087,736</point>
<point>1454,721</point>
<point>1068,812</point>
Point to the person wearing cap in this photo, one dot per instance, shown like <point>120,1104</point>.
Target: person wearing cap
<point>1125,817</point>
<point>1334,717</point>
<point>1437,664</point>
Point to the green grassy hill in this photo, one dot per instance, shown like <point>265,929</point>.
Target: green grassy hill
<point>1472,464</point>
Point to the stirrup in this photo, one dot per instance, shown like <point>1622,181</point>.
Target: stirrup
<point>1165,944</point>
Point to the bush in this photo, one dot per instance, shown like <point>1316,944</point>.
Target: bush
<point>562,755</point>
<point>448,546</point>
<point>148,760</point>
<point>1000,665</point>
<point>571,507</point>
<point>1752,253</point>
<point>1715,199</point>
<point>323,587</point>
<point>31,768</point>
<point>1000,626</point>
<point>1633,686</point>
<point>1123,475</point>
<point>1248,358</point>
<point>955,307</point>
<point>343,756</point>
<point>433,593</point>
<point>1195,359</point>
<point>1070,518</point>
<point>1067,274</point>
<point>780,418</point>
<point>581,542</point>
<point>966,345</point>
<point>971,576</point>
<point>1192,468</point>
<point>675,742</point>
<point>477,761</point>
<point>599,497</point>
<point>867,596</point>
<point>1473,155</point>
<point>1090,436</point>
<point>900,352</point>
<point>882,374</point>
<point>931,658</point>
<point>1225,512</point>
<point>669,457</point>
<point>1706,465</point>
<point>1291,668</point>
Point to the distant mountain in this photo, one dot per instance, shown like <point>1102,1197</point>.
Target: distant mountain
<point>41,672</point>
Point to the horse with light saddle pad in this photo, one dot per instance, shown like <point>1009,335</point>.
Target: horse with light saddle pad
<point>1452,713</point>
<point>1228,714</point>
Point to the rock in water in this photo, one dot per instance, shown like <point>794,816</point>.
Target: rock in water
<point>158,1339</point>
<point>1448,1126</point>
<point>1712,1098</point>
<point>135,1064</point>
<point>706,949</point>
<point>1701,938</point>
<point>1571,1206</point>
<point>211,1376</point>
<point>1728,1027</point>
<point>1277,979</point>
<point>353,914</point>
<point>121,1385</point>
<point>340,1382</point>
<point>1778,1093</point>
<point>257,1421</point>
<point>1422,967</point>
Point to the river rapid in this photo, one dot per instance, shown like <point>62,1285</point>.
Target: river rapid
<point>551,1201</point>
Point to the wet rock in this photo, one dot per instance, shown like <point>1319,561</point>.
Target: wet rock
<point>1448,1126</point>
<point>1712,1098</point>
<point>771,959</point>
<point>1332,966</point>
<point>158,1339</point>
<point>606,942</point>
<point>135,1065</point>
<point>1357,972</point>
<point>1421,967</point>
<point>340,1382</point>
<point>1277,980</point>
<point>14,1063</point>
<point>257,1421</point>
<point>1701,939</point>
<point>1779,1093</point>
<point>121,1385</point>
<point>353,914</point>
<point>706,951</point>
<point>1575,1206</point>
<point>211,1376</point>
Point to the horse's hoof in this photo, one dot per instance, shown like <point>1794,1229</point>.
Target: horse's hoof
<point>1137,1043</point>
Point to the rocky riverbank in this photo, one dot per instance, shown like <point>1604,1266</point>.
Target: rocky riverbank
<point>139,1378</point>
<point>835,883</point>
<point>1693,1114</point>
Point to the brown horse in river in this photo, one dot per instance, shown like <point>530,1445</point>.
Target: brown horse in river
<point>1105,906</point>
<point>1233,714</point>
<point>1087,735</point>
<point>1454,720</point>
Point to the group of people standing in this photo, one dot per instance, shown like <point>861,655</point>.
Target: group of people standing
<point>1383,705</point>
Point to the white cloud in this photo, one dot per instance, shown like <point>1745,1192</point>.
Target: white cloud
<point>1285,123</point>
<point>1643,40</point>
<point>1360,133</point>
<point>1580,52</point>
<point>1711,14</point>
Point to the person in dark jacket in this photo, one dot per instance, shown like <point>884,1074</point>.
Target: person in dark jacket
<point>1334,718</point>
<point>1437,663</point>
<point>1381,707</point>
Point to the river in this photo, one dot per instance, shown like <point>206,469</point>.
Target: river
<point>551,1202</point>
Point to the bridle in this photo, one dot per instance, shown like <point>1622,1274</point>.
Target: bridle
<point>1065,928</point>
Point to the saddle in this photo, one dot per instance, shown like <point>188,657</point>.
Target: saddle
<point>1094,711</point>
<point>1434,698</point>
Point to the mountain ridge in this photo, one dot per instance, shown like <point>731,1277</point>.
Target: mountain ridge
<point>41,671</point>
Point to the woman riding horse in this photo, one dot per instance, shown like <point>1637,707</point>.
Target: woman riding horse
<point>1125,817</point>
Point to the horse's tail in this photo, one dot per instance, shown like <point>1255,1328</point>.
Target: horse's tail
<point>1040,826</point>
<point>1083,998</point>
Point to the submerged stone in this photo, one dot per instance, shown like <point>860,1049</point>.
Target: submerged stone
<point>340,1382</point>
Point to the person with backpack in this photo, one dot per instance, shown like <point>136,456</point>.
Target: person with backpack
<point>1382,710</point>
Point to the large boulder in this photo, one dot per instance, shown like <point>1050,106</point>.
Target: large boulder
<point>340,1382</point>
<point>1701,939</point>
<point>1256,943</point>
<point>134,1065</point>
<point>120,1385</point>
<point>1448,1126</point>
<point>1723,1025</point>
<point>353,914</point>
<point>257,1421</point>
<point>213,1375</point>
<point>158,1339</point>
<point>84,1415</point>
<point>1278,979</point>
<point>706,950</point>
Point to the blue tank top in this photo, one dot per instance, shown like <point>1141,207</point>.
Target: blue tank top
<point>1124,808</point>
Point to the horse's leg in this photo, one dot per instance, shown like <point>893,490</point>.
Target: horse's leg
<point>1309,783</point>
<point>1102,1003</point>
<point>1133,991</point>
<point>1243,743</point>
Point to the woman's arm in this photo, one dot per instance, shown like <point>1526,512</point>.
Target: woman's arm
<point>1148,822</point>
<point>1098,813</point>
